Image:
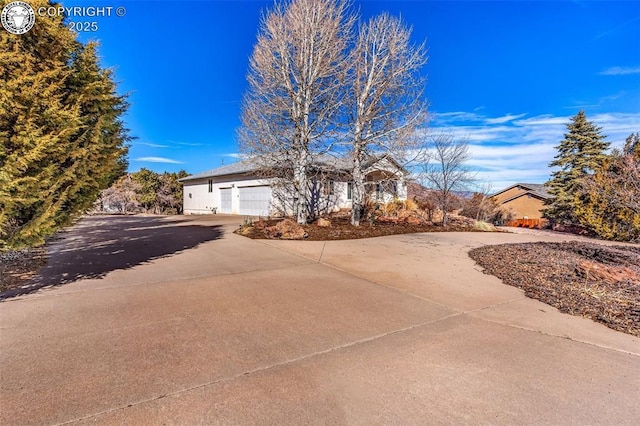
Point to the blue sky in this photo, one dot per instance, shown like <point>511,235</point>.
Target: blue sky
<point>507,75</point>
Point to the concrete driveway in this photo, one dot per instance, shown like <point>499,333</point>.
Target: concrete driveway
<point>147,320</point>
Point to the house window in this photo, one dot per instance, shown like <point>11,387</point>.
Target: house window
<point>394,188</point>
<point>349,190</point>
<point>328,187</point>
<point>378,191</point>
<point>210,185</point>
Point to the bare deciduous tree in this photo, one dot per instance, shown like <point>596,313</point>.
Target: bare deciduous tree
<point>481,206</point>
<point>296,79</point>
<point>121,196</point>
<point>386,97</point>
<point>444,169</point>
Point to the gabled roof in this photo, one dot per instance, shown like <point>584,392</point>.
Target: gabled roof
<point>240,167</point>
<point>536,189</point>
<point>248,166</point>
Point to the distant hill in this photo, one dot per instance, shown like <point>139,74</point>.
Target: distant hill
<point>420,192</point>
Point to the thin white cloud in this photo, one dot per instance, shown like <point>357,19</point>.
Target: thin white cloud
<point>504,152</point>
<point>609,98</point>
<point>232,155</point>
<point>616,28</point>
<point>581,106</point>
<point>602,101</point>
<point>620,71</point>
<point>504,119</point>
<point>157,160</point>
<point>542,120</point>
<point>153,145</point>
<point>456,116</point>
<point>187,143</point>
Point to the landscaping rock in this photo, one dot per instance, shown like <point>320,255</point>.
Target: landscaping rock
<point>286,229</point>
<point>596,271</point>
<point>323,222</point>
<point>412,220</point>
<point>246,230</point>
<point>271,233</point>
<point>461,221</point>
<point>387,219</point>
<point>260,224</point>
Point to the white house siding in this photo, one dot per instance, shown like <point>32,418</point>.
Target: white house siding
<point>342,202</point>
<point>204,202</point>
<point>197,198</point>
<point>248,195</point>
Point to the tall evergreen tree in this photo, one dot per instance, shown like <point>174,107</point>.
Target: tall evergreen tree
<point>632,145</point>
<point>580,154</point>
<point>61,137</point>
<point>99,146</point>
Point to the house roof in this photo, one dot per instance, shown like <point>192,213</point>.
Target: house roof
<point>242,166</point>
<point>536,189</point>
<point>247,166</point>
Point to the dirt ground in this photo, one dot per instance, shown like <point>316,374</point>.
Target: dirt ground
<point>581,278</point>
<point>18,266</point>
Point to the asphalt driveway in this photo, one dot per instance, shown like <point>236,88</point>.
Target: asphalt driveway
<point>147,320</point>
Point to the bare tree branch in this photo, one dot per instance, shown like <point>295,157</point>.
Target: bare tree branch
<point>295,90</point>
<point>386,97</point>
<point>444,169</point>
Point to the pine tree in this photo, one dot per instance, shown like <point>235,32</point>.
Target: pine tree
<point>632,145</point>
<point>61,137</point>
<point>99,151</point>
<point>580,154</point>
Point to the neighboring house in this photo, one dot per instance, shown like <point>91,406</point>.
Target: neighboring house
<point>240,188</point>
<point>526,200</point>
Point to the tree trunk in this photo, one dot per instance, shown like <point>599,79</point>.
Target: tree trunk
<point>300,180</point>
<point>445,207</point>
<point>358,194</point>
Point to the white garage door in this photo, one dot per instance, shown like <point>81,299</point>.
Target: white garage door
<point>225,200</point>
<point>255,200</point>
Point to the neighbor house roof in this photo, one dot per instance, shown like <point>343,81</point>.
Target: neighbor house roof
<point>249,165</point>
<point>536,189</point>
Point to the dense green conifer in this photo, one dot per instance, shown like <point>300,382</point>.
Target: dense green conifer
<point>580,153</point>
<point>61,135</point>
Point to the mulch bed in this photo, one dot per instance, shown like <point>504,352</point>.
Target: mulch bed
<point>580,278</point>
<point>17,267</point>
<point>341,229</point>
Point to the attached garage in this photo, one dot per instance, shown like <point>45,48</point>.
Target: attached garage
<point>225,200</point>
<point>255,200</point>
